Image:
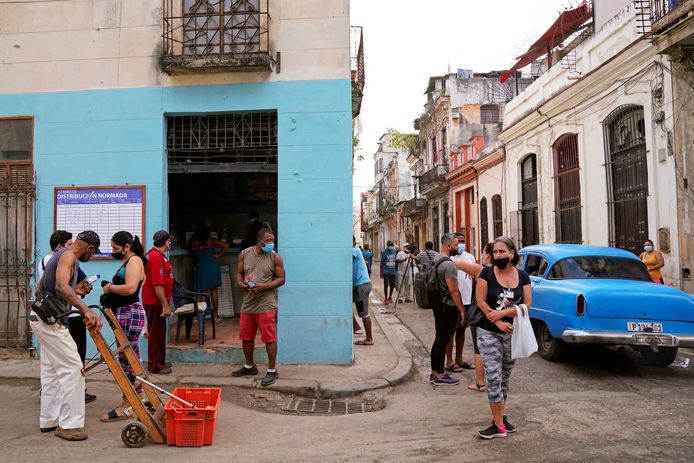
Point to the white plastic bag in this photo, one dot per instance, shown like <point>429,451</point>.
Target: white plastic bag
<point>523,342</point>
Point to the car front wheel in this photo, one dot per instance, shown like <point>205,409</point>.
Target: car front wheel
<point>664,357</point>
<point>549,347</point>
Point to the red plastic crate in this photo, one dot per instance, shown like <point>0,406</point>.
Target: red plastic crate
<point>192,427</point>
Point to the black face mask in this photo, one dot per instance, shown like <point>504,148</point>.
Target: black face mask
<point>501,263</point>
<point>454,251</point>
<point>118,255</point>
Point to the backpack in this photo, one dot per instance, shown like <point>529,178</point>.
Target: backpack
<point>430,291</point>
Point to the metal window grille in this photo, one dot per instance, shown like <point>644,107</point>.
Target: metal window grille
<point>222,27</point>
<point>484,222</point>
<point>236,141</point>
<point>627,177</point>
<point>497,217</point>
<point>528,207</point>
<point>568,190</point>
<point>17,222</point>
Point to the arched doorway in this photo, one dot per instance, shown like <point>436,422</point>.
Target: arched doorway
<point>627,177</point>
<point>567,189</point>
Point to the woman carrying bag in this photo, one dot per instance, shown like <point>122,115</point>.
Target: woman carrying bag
<point>123,296</point>
<point>502,289</point>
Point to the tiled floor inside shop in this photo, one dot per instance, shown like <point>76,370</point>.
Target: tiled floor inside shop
<point>227,334</point>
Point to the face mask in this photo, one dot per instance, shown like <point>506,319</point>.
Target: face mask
<point>461,248</point>
<point>169,245</point>
<point>118,255</point>
<point>268,247</point>
<point>648,248</point>
<point>502,262</point>
<point>391,248</point>
<point>251,220</point>
<point>453,251</point>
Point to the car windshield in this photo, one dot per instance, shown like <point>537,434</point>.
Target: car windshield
<point>617,268</point>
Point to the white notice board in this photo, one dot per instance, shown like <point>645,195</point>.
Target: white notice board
<point>103,209</point>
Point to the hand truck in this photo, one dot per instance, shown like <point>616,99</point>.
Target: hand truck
<point>148,420</point>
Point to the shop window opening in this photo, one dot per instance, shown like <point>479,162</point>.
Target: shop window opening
<point>223,174</point>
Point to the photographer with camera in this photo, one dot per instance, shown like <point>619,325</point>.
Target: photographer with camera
<point>405,260</point>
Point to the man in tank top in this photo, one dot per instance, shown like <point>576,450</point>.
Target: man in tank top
<point>259,273</point>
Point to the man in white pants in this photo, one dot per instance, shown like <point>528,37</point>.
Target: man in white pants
<point>62,382</point>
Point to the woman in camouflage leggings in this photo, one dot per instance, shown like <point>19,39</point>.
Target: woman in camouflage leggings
<point>501,289</point>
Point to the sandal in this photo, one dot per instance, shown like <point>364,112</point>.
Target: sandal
<point>362,342</point>
<point>455,368</point>
<point>112,415</point>
<point>477,387</point>
<point>468,366</point>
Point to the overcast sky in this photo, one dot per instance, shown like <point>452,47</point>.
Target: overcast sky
<point>407,41</point>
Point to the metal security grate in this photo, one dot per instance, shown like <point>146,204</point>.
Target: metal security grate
<point>327,406</point>
<point>627,177</point>
<point>568,190</point>
<point>215,140</point>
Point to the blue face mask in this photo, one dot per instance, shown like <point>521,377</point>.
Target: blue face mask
<point>461,248</point>
<point>268,247</point>
<point>648,248</point>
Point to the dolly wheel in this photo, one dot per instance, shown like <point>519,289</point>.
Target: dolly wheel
<point>134,434</point>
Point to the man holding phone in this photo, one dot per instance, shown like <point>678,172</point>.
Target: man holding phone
<point>62,382</point>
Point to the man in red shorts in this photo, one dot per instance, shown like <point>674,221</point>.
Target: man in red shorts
<point>260,272</point>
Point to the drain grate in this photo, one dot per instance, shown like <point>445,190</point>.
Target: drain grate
<point>327,406</point>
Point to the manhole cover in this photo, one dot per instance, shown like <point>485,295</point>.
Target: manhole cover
<point>331,407</point>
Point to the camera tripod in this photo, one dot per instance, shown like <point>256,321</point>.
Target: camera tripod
<point>409,267</point>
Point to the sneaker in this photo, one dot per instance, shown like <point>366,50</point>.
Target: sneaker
<point>509,426</point>
<point>165,371</point>
<point>270,378</point>
<point>89,398</point>
<point>491,432</point>
<point>243,371</point>
<point>432,377</point>
<point>74,434</point>
<point>445,380</point>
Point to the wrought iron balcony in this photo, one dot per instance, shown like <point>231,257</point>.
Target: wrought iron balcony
<point>433,178</point>
<point>414,206</point>
<point>357,68</point>
<point>216,36</point>
<point>661,8</point>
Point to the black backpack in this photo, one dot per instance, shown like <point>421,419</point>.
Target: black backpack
<point>432,293</point>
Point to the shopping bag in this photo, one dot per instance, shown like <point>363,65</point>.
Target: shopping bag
<point>523,342</point>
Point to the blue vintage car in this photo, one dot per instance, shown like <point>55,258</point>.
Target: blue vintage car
<point>601,295</point>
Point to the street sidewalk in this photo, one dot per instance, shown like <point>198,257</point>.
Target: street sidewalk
<point>385,364</point>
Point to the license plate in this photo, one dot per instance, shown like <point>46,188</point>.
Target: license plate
<point>645,327</point>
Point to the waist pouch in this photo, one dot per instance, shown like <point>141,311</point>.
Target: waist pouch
<point>50,308</point>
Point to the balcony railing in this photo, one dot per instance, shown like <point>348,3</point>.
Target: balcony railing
<point>432,178</point>
<point>660,8</point>
<point>216,36</point>
<point>357,67</point>
<point>414,206</point>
